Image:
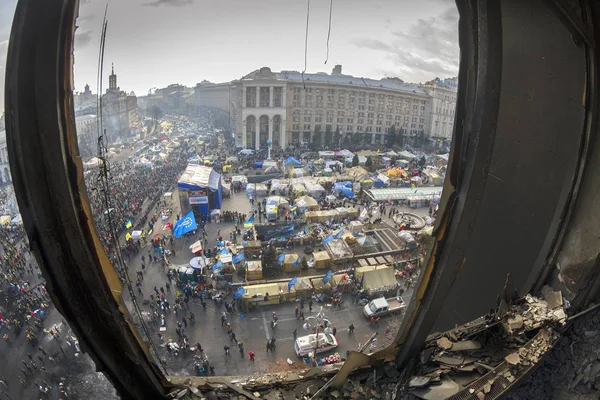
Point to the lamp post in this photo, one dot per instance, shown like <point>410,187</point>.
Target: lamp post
<point>269,146</point>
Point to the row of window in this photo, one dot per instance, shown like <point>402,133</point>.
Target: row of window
<point>353,128</point>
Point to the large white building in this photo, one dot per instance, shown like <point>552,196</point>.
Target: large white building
<point>288,107</point>
<point>443,95</point>
<point>5,176</point>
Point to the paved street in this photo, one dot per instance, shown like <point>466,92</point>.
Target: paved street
<point>252,329</point>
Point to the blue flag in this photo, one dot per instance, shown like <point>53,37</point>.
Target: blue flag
<point>328,276</point>
<point>218,264</point>
<point>224,252</point>
<point>291,283</point>
<point>327,239</point>
<point>239,257</point>
<point>297,262</point>
<point>281,259</point>
<point>239,293</point>
<point>185,225</point>
<point>339,234</point>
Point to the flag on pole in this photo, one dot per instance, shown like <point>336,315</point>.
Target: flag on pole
<point>238,257</point>
<point>128,224</point>
<point>291,283</point>
<point>328,276</point>
<point>185,225</point>
<point>217,265</point>
<point>327,239</point>
<point>127,236</point>
<point>297,262</point>
<point>281,259</point>
<point>248,224</point>
<point>339,234</point>
<point>239,293</point>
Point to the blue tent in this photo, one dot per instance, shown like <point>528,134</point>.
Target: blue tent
<point>292,160</point>
<point>202,178</point>
<point>257,164</point>
<point>348,193</point>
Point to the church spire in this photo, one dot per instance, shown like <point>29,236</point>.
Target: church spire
<point>112,80</point>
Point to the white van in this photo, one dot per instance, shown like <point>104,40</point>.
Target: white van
<point>306,344</point>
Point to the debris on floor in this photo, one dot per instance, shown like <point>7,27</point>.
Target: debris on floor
<point>483,358</point>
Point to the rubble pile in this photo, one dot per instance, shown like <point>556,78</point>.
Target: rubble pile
<point>572,368</point>
<point>483,358</point>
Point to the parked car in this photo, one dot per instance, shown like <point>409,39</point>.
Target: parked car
<point>308,343</point>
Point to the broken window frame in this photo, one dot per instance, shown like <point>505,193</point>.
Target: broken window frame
<point>42,143</point>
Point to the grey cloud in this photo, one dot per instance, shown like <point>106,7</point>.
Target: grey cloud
<point>173,3</point>
<point>423,50</point>
<point>372,44</point>
<point>83,39</point>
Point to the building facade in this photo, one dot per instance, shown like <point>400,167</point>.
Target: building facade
<point>5,177</point>
<point>120,116</point>
<point>289,107</point>
<point>87,134</point>
<point>443,94</point>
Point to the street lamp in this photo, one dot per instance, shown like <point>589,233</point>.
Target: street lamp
<point>269,146</point>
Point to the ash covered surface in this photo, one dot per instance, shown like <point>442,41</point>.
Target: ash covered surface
<point>572,368</point>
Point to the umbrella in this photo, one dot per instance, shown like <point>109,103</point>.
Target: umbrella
<point>198,262</point>
<point>196,247</point>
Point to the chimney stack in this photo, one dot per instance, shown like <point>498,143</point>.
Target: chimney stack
<point>337,70</point>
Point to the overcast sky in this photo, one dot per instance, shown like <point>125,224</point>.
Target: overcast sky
<point>153,43</point>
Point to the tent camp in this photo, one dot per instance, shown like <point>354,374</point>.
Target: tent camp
<point>307,203</point>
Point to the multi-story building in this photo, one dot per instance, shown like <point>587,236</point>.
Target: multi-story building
<point>85,97</point>
<point>87,134</point>
<point>443,95</point>
<point>119,111</point>
<point>5,177</point>
<point>289,107</point>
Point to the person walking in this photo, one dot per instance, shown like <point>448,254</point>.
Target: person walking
<point>295,333</point>
<point>351,329</point>
<point>251,355</point>
<point>226,348</point>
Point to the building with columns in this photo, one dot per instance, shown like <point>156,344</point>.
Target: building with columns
<point>443,95</point>
<point>287,107</point>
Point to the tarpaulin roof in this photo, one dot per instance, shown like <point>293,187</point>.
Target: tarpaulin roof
<point>379,278</point>
<point>199,177</point>
<point>292,160</point>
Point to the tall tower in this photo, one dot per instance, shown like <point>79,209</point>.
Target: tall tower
<point>112,80</point>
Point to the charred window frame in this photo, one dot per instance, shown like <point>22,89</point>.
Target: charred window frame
<point>48,175</point>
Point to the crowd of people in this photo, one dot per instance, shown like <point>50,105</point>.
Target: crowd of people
<point>135,189</point>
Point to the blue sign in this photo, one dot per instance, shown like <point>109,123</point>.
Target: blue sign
<point>281,259</point>
<point>185,225</point>
<point>291,283</point>
<point>327,239</point>
<point>239,293</point>
<point>328,276</point>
